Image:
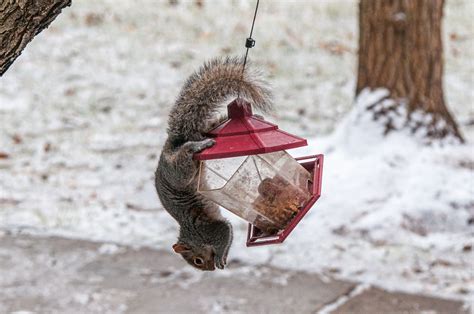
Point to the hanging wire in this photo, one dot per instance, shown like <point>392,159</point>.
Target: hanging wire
<point>249,43</point>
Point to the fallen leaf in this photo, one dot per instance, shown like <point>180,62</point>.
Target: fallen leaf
<point>17,139</point>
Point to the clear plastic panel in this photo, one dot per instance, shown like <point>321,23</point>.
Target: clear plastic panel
<point>217,172</point>
<point>266,190</point>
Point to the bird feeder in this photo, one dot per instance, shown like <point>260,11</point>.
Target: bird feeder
<point>249,172</point>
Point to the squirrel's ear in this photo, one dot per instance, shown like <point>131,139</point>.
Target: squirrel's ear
<point>181,248</point>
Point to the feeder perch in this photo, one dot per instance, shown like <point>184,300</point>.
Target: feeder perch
<point>249,173</point>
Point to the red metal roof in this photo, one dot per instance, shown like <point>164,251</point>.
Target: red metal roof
<point>244,134</point>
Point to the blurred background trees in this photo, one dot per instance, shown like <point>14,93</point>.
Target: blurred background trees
<point>400,49</point>
<point>20,21</point>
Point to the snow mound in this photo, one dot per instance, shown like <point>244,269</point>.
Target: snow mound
<point>393,212</point>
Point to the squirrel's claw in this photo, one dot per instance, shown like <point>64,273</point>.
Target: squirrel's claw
<point>202,145</point>
<point>208,143</point>
<point>220,262</point>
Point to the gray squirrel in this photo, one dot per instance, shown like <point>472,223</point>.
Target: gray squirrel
<point>205,236</point>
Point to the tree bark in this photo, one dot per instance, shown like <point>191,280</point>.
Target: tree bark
<point>20,22</point>
<point>400,49</point>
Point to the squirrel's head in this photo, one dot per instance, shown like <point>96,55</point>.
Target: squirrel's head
<point>206,246</point>
<point>200,257</point>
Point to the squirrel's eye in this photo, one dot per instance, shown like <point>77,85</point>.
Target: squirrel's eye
<point>198,261</point>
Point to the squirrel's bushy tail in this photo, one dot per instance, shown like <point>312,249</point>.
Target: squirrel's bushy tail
<point>206,89</point>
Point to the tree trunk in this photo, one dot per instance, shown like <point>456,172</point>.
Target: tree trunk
<point>400,49</point>
<point>20,21</point>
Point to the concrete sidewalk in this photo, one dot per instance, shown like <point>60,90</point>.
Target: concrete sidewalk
<point>56,275</point>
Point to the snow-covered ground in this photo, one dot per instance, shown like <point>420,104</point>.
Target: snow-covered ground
<point>83,116</point>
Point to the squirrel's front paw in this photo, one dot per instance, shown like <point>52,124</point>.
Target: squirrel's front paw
<point>202,145</point>
<point>196,147</point>
<point>220,261</point>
